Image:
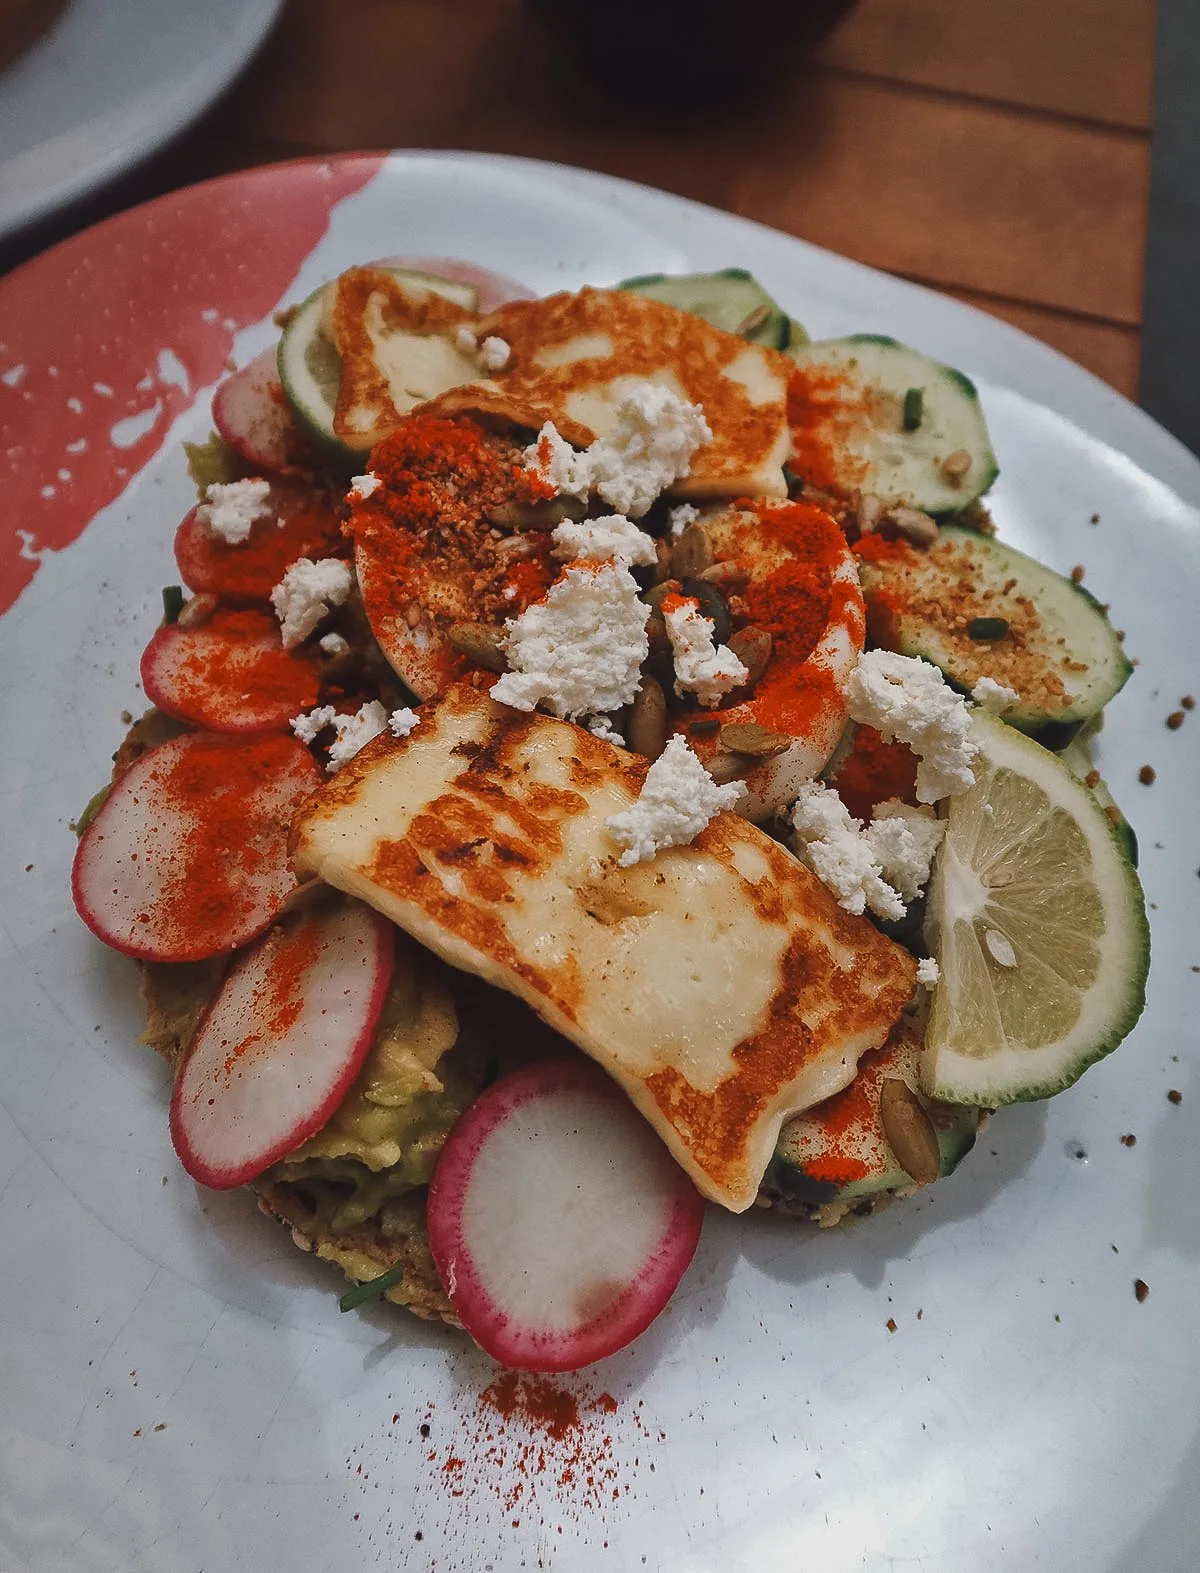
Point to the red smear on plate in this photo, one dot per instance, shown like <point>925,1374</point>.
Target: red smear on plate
<point>105,338</point>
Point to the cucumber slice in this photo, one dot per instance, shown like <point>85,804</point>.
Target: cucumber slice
<point>878,417</point>
<point>1078,760</point>
<point>731,299</point>
<point>839,1152</point>
<point>310,367</point>
<point>1039,927</point>
<point>1035,631</point>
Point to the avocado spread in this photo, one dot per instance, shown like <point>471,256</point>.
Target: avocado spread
<point>385,1136</point>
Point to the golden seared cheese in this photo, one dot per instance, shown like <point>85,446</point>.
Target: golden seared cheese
<point>398,348</point>
<point>574,357</point>
<point>719,984</point>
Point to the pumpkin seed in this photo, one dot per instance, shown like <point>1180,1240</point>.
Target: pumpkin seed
<point>731,577</point>
<point>725,767</point>
<point>752,646</point>
<point>747,737</point>
<point>692,553</point>
<point>910,1131</point>
<point>479,643</point>
<point>712,604</point>
<point>646,727</point>
<point>541,515</point>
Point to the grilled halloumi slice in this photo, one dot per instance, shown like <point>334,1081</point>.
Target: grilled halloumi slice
<point>573,357</point>
<point>719,984</point>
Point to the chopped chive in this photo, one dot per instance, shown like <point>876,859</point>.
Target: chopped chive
<point>987,628</point>
<point>705,724</point>
<point>172,603</point>
<point>792,481</point>
<point>914,401</point>
<point>373,1289</point>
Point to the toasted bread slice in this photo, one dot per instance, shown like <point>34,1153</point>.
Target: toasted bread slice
<point>574,357</point>
<point>720,984</point>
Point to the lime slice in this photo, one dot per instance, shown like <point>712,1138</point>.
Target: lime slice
<point>1039,927</point>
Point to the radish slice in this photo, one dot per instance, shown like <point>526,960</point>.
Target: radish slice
<point>559,1222</point>
<point>187,857</point>
<point>279,1046</point>
<point>229,673</point>
<point>251,413</point>
<point>301,524</point>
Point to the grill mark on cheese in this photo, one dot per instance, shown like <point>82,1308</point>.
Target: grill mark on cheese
<point>721,985</point>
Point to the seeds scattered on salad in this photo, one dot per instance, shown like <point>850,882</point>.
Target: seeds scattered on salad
<point>1188,702</point>
<point>1140,1289</point>
<point>1147,775</point>
<point>914,525</point>
<point>1174,1096</point>
<point>749,738</point>
<point>956,465</point>
<point>1129,1140</point>
<point>910,1131</point>
<point>1077,574</point>
<point>1175,720</point>
<point>987,628</point>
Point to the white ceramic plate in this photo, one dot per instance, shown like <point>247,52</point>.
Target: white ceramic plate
<point>179,1390</point>
<point>111,81</point>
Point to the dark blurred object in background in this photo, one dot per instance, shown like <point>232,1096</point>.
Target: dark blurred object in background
<point>23,21</point>
<point>669,53</point>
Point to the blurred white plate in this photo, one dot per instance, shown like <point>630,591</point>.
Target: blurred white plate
<point>179,1390</point>
<point>108,84</point>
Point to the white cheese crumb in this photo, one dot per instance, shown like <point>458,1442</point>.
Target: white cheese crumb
<point>928,972</point>
<point>909,700</point>
<point>601,726</point>
<point>651,445</point>
<point>1000,948</point>
<point>558,464</point>
<point>355,732</point>
<point>677,800</point>
<point>595,540</point>
<point>230,509</point>
<point>994,696</point>
<point>334,644</point>
<point>494,353</point>
<point>831,841</point>
<point>364,486</point>
<point>702,668</point>
<point>465,341</point>
<point>305,594</point>
<point>679,517</point>
<point>903,840</point>
<point>309,726</point>
<point>401,722</point>
<point>581,649</point>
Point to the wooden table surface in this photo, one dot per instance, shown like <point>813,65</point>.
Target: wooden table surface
<point>999,153</point>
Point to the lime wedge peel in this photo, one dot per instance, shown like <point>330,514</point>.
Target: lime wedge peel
<point>1038,923</point>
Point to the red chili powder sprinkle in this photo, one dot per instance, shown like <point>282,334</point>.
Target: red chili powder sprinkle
<point>234,666</point>
<point>874,771</point>
<point>845,1119</point>
<point>824,408</point>
<point>306,526</point>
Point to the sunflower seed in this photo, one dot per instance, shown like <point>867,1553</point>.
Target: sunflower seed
<point>870,511</point>
<point>724,768</point>
<point>729,577</point>
<point>956,465</point>
<point>752,646</point>
<point>543,515</point>
<point>753,320</point>
<point>909,1131</point>
<point>914,525</point>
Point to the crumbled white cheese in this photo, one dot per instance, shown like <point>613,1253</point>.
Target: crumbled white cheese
<point>928,972</point>
<point>309,726</point>
<point>364,486</point>
<point>651,445</point>
<point>305,595</point>
<point>677,800</point>
<point>465,341</point>
<point>352,732</point>
<point>494,353</point>
<point>994,696</point>
<point>909,700</point>
<point>702,668</point>
<point>679,517</point>
<point>558,464</point>
<point>401,722</point>
<point>831,841</point>
<point>581,649</point>
<point>601,726</point>
<point>654,436</point>
<point>903,840</point>
<point>232,507</point>
<point>334,644</point>
<point>595,540</point>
